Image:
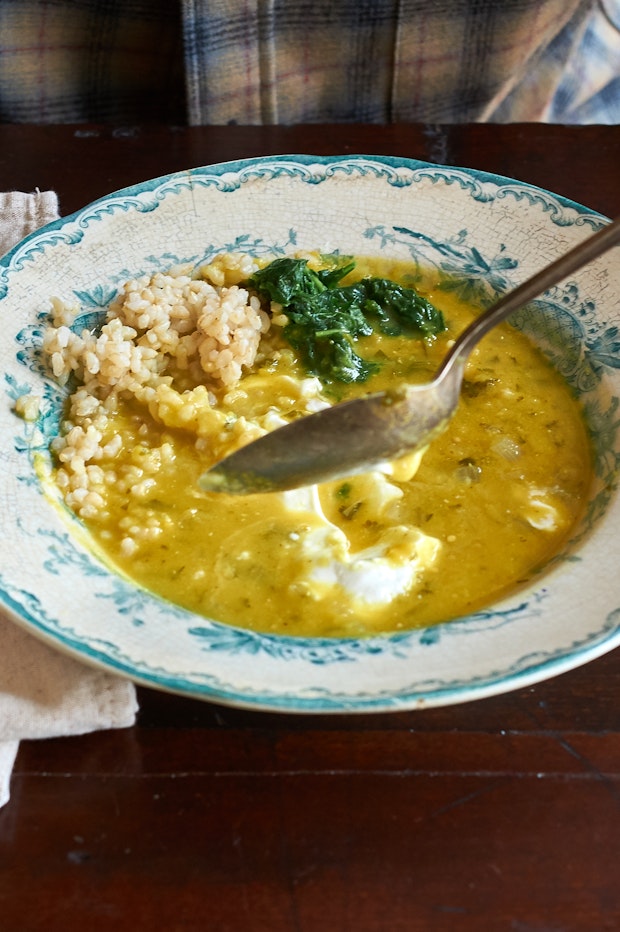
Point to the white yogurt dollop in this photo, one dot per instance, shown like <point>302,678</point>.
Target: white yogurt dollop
<point>372,577</point>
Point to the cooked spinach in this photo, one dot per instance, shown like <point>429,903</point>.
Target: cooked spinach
<point>326,318</point>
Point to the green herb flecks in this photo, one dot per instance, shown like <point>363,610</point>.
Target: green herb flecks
<point>326,318</point>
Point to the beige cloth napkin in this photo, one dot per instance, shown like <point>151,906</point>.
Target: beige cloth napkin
<point>44,693</point>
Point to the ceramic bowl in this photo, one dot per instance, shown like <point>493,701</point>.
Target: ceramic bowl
<point>490,231</point>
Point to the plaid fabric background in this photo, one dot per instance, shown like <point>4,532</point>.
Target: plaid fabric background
<point>587,91</point>
<point>293,61</point>
<point>264,61</point>
<point>91,60</point>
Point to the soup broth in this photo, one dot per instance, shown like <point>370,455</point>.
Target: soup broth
<point>487,505</point>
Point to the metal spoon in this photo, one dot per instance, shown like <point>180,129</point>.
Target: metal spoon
<point>355,436</point>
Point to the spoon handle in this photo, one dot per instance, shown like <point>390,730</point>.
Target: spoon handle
<point>570,262</point>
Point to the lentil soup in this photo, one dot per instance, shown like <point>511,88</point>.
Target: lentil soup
<point>188,367</point>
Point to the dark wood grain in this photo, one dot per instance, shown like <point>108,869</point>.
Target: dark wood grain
<point>503,814</point>
<point>83,163</point>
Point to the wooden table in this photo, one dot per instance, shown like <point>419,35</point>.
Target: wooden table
<point>498,814</point>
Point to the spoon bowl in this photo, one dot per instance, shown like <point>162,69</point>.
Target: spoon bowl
<point>359,435</point>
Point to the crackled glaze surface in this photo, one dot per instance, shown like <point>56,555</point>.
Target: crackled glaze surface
<point>489,232</point>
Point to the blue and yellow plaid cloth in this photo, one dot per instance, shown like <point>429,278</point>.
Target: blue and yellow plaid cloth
<point>300,61</point>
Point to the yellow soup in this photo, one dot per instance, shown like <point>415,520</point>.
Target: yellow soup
<point>486,506</point>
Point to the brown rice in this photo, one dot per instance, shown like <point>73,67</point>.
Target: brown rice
<point>172,341</point>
